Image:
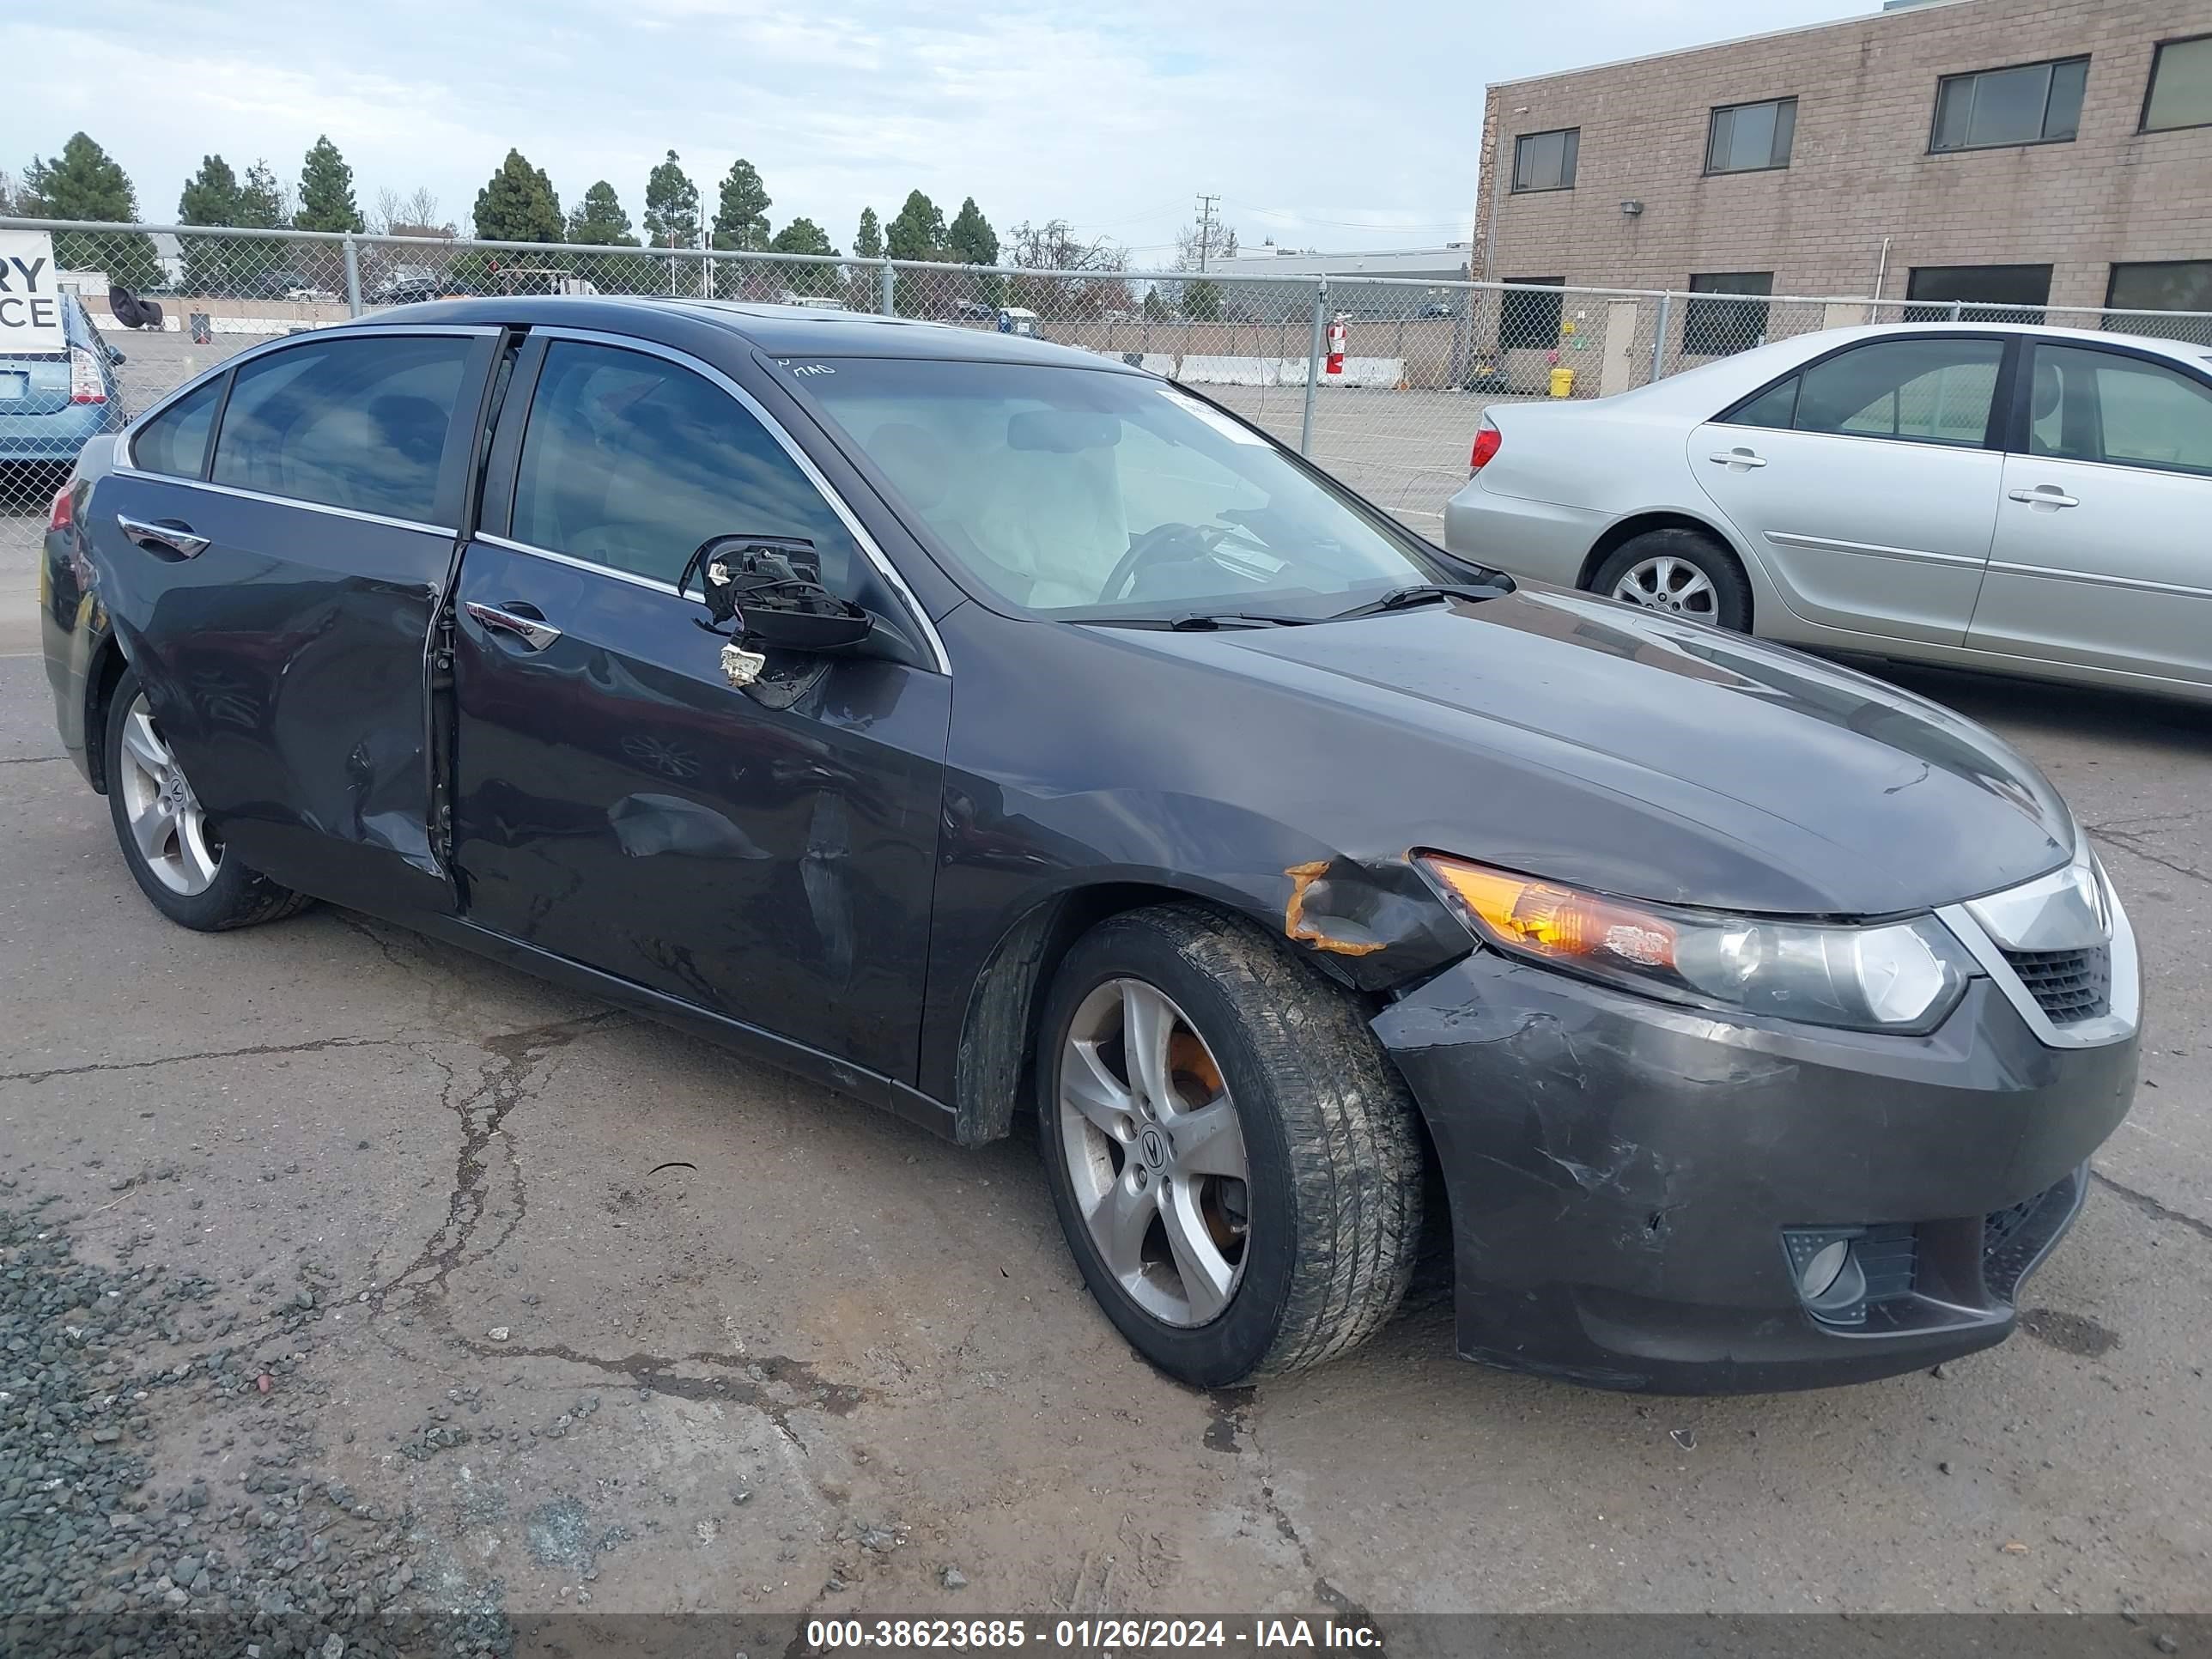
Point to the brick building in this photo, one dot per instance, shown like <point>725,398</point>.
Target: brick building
<point>2003,151</point>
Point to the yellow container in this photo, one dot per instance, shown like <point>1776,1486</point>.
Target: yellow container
<point>1562,383</point>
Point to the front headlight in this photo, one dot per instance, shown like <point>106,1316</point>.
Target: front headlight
<point>1902,977</point>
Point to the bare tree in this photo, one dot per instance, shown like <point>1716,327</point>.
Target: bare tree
<point>410,216</point>
<point>10,201</point>
<point>1052,246</point>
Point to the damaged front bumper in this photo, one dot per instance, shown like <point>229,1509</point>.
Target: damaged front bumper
<point>1638,1190</point>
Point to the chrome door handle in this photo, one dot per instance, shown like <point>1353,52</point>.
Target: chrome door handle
<point>1736,457</point>
<point>2045,495</point>
<point>175,538</point>
<point>529,630</point>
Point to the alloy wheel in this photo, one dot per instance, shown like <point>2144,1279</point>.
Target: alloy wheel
<point>1155,1152</point>
<point>171,832</point>
<point>1671,585</point>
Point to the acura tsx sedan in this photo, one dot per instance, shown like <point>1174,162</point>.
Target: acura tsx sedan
<point>994,731</point>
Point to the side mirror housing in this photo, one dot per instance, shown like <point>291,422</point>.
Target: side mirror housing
<point>767,592</point>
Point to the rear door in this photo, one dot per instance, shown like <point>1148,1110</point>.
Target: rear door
<point>274,591</point>
<point>2104,544</point>
<point>767,855</point>
<point>1868,482</point>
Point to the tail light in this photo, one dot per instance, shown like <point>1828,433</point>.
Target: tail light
<point>64,510</point>
<point>85,385</point>
<point>1487,438</point>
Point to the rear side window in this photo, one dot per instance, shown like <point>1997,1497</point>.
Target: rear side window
<point>632,462</point>
<point>357,423</point>
<point>174,442</point>
<point>1920,391</point>
<point>2099,406</point>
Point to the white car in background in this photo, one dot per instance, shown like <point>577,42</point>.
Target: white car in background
<point>2033,501</point>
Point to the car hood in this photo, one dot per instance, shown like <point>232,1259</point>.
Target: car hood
<point>1571,737</point>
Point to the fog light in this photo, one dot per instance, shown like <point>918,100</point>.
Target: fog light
<point>1831,1281</point>
<point>1822,1272</point>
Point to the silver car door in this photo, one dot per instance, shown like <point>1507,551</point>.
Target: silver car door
<point>1865,483</point>
<point>2103,545</point>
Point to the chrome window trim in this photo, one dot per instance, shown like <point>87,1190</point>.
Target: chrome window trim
<point>653,583</point>
<point>446,530</point>
<point>2004,909</point>
<point>773,428</point>
<point>126,441</point>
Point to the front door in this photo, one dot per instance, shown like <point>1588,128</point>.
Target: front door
<point>2104,545</point>
<point>767,854</point>
<point>282,593</point>
<point>1866,485</point>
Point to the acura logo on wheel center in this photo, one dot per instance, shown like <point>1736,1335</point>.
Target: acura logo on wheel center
<point>1154,1145</point>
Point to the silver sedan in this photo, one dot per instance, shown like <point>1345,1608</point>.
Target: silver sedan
<point>2032,500</point>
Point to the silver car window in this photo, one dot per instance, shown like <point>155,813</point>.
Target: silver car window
<point>2091,405</point>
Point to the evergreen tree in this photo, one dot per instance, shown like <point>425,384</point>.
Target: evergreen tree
<point>868,240</point>
<point>326,191</point>
<point>741,218</point>
<point>211,198</point>
<point>804,236</point>
<point>261,202</point>
<point>917,233</point>
<point>517,204</point>
<point>598,220</point>
<point>84,182</point>
<point>671,206</point>
<point>970,238</point>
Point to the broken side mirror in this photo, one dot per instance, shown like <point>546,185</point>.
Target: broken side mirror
<point>766,594</point>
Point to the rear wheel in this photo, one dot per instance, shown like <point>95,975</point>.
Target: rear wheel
<point>177,854</point>
<point>1681,573</point>
<point>1233,1161</point>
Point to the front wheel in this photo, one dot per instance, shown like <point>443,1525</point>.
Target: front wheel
<point>175,851</point>
<point>1233,1161</point>
<point>1678,572</point>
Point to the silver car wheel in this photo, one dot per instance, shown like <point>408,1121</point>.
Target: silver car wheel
<point>166,824</point>
<point>1155,1152</point>
<point>1669,584</point>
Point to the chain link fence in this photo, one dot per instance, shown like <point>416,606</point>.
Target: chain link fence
<point>1381,381</point>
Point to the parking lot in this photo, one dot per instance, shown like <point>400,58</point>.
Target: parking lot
<point>490,1299</point>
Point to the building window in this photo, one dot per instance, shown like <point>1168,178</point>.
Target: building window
<point>2029,104</point>
<point>2180,93</point>
<point>2176,285</point>
<point>1750,138</point>
<point>1545,160</point>
<point>1977,294</point>
<point>1527,316</point>
<point>1714,328</point>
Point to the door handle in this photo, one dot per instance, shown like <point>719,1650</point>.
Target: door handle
<point>168,535</point>
<point>532,631</point>
<point>1737,458</point>
<point>2045,495</point>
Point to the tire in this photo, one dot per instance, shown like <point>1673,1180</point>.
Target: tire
<point>1331,1202</point>
<point>199,885</point>
<point>1703,581</point>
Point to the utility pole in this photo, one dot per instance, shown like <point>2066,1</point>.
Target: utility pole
<point>1206,220</point>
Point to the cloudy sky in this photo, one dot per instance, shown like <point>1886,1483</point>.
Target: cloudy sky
<point>1335,126</point>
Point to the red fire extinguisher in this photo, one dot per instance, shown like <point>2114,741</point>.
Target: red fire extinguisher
<point>1337,341</point>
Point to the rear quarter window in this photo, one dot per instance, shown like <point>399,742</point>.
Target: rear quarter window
<point>174,442</point>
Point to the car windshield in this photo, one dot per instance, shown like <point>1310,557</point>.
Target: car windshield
<point>1090,495</point>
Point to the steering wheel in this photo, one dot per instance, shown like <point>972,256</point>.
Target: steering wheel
<point>1164,544</point>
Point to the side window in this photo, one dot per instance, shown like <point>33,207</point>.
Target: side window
<point>2093,405</point>
<point>1776,407</point>
<point>1934,390</point>
<point>632,461</point>
<point>174,442</point>
<point>357,423</point>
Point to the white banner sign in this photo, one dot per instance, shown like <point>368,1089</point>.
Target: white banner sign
<point>30,299</point>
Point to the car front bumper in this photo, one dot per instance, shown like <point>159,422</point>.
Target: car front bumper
<point>1628,1179</point>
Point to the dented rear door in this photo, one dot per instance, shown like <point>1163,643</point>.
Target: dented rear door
<point>277,608</point>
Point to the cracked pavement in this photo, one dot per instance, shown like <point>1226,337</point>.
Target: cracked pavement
<point>615,1320</point>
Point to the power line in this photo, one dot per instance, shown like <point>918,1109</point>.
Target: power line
<point>1206,223</point>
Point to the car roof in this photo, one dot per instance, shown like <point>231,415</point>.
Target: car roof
<point>781,330</point>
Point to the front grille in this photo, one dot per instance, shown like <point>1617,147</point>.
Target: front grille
<point>2069,986</point>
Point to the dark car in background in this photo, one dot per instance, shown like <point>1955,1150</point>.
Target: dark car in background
<point>51,402</point>
<point>985,728</point>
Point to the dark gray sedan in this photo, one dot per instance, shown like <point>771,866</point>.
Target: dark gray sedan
<point>992,731</point>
